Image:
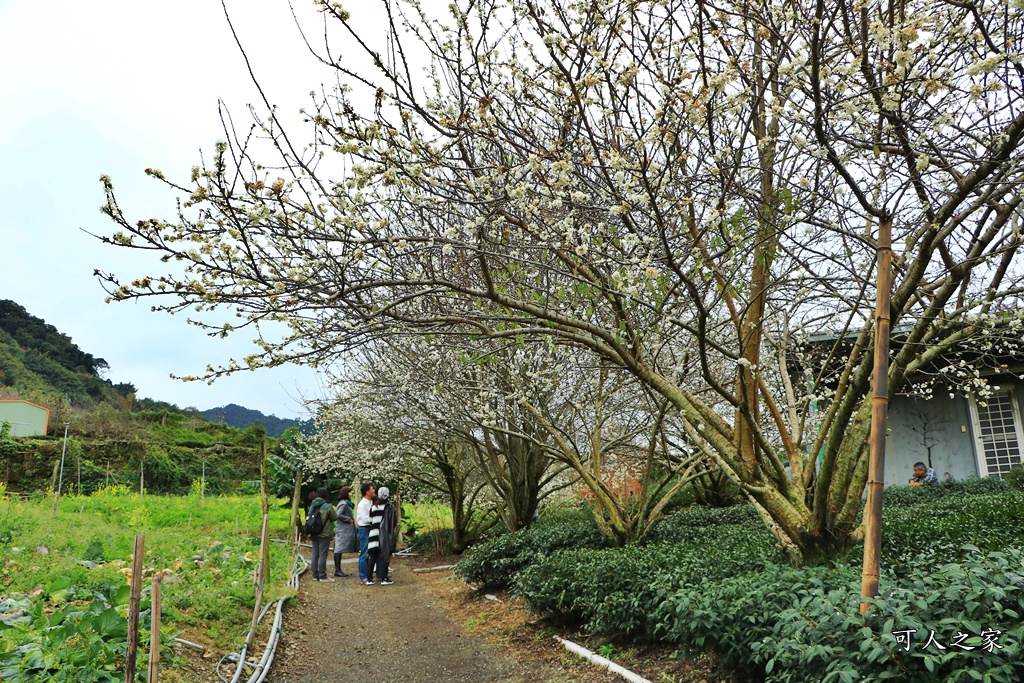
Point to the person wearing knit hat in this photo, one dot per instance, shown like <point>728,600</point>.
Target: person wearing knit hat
<point>383,535</point>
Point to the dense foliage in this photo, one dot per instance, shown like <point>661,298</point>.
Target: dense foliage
<point>496,562</point>
<point>165,451</point>
<point>803,625</point>
<point>615,590</point>
<point>34,333</point>
<point>714,579</point>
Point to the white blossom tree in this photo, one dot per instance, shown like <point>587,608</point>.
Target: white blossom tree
<point>630,180</point>
<point>434,403</point>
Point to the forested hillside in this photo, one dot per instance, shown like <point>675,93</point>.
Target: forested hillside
<point>36,360</point>
<point>114,437</point>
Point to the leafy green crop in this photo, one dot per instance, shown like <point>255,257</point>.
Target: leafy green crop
<point>63,583</point>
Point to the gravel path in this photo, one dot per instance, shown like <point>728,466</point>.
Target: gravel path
<point>344,632</point>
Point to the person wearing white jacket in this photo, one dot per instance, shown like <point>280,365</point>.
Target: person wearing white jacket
<point>363,522</point>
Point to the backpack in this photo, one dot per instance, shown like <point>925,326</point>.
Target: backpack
<point>315,522</point>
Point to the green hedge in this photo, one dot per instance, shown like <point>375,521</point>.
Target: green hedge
<point>495,563</point>
<point>906,496</point>
<point>678,527</point>
<point>714,578</point>
<point>618,590</point>
<point>803,625</point>
<point>936,531</point>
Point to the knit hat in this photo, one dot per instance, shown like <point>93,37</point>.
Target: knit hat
<point>383,492</point>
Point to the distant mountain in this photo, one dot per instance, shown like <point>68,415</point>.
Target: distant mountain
<point>241,417</point>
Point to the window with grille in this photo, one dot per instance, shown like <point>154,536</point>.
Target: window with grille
<point>997,428</point>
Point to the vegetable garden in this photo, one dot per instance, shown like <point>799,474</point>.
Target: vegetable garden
<point>64,582</point>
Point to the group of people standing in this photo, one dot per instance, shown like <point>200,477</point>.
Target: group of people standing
<point>371,527</point>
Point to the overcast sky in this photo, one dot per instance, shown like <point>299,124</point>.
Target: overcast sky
<point>114,87</point>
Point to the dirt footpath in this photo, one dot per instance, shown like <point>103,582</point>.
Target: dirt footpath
<point>344,632</point>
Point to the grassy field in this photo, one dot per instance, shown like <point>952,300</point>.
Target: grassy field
<point>63,582</point>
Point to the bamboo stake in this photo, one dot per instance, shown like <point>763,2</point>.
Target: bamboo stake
<point>202,487</point>
<point>132,654</point>
<point>264,549</point>
<point>260,580</point>
<point>60,484</point>
<point>265,508</point>
<point>154,635</point>
<point>296,498</point>
<point>879,419</point>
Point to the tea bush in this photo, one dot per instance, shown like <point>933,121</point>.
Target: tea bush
<point>935,531</point>
<point>678,527</point>
<point>433,542</point>
<point>618,590</point>
<point>804,626</point>
<point>495,562</point>
<point>714,578</point>
<point>904,496</point>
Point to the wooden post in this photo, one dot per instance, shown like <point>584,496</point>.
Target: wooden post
<point>261,576</point>
<point>132,655</point>
<point>264,508</point>
<point>142,476</point>
<point>296,498</point>
<point>879,419</point>
<point>154,634</point>
<point>264,551</point>
<point>60,483</point>
<point>202,487</point>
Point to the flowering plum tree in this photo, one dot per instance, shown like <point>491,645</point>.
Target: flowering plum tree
<point>433,403</point>
<point>635,181</point>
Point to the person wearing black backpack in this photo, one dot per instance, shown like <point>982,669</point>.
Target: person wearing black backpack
<point>320,527</point>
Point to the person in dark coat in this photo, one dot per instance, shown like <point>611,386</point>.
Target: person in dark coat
<point>322,541</point>
<point>345,535</point>
<point>387,537</point>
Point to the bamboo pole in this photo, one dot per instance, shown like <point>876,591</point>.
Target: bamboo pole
<point>261,575</point>
<point>879,419</point>
<point>260,581</point>
<point>202,487</point>
<point>154,634</point>
<point>131,656</point>
<point>296,499</point>
<point>265,509</point>
<point>60,483</point>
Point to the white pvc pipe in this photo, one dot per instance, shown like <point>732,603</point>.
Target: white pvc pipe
<point>601,661</point>
<point>441,568</point>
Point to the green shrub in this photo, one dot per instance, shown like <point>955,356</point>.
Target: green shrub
<point>803,625</point>
<point>677,527</point>
<point>905,496</point>
<point>1015,477</point>
<point>433,542</point>
<point>495,562</point>
<point>936,531</point>
<point>619,590</point>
